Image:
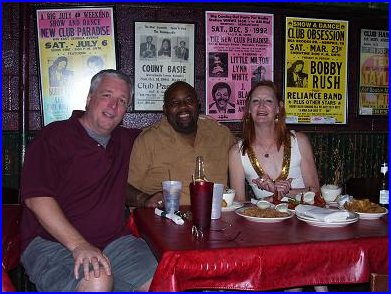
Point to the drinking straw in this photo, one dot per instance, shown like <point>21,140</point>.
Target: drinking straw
<point>169,175</point>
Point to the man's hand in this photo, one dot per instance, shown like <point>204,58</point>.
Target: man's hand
<point>85,254</point>
<point>154,199</point>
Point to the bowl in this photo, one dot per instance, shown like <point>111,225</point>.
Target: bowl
<point>282,207</point>
<point>309,197</point>
<point>228,196</point>
<point>263,204</point>
<point>330,192</point>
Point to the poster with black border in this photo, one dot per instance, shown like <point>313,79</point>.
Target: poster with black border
<point>164,53</point>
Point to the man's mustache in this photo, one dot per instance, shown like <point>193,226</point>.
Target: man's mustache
<point>222,99</point>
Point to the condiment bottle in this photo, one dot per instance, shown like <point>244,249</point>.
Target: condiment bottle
<point>383,185</point>
<point>199,174</point>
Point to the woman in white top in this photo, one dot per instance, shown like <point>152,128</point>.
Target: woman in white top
<point>270,157</point>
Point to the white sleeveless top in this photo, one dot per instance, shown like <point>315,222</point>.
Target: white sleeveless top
<point>294,170</point>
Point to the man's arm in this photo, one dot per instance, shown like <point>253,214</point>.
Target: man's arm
<point>137,198</point>
<point>51,217</point>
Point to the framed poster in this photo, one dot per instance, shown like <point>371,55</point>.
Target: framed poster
<point>239,53</point>
<point>73,44</point>
<point>373,89</point>
<point>316,71</point>
<point>164,53</point>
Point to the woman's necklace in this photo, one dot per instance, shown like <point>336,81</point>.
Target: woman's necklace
<point>266,153</point>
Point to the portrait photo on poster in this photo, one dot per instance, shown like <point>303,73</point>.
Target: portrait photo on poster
<point>165,48</point>
<point>94,64</point>
<point>59,74</point>
<point>258,75</point>
<point>223,104</point>
<point>295,76</point>
<point>181,49</point>
<point>147,47</point>
<point>218,64</point>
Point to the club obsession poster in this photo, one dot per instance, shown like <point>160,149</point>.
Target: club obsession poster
<point>316,71</point>
<point>239,53</point>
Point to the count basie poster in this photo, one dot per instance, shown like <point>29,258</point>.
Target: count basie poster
<point>164,53</point>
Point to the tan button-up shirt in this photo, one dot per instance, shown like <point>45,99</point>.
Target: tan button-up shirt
<point>159,151</point>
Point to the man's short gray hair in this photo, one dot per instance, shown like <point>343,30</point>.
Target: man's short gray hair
<point>97,78</point>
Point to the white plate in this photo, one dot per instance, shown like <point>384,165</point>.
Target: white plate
<point>352,218</point>
<point>292,210</point>
<point>240,212</point>
<point>235,205</point>
<point>333,203</point>
<point>364,215</point>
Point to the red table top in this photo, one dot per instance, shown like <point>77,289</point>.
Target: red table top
<point>244,255</point>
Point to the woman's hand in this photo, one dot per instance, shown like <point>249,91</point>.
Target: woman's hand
<point>266,183</point>
<point>283,186</point>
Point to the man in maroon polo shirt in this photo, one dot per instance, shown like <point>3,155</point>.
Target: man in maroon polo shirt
<point>74,233</point>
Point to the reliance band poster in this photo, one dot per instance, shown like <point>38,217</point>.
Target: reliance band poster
<point>316,71</point>
<point>239,53</point>
<point>164,53</point>
<point>74,44</point>
<point>374,90</point>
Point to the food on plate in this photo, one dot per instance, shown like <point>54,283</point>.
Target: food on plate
<point>224,203</point>
<point>319,200</point>
<point>264,213</point>
<point>292,203</point>
<point>363,206</point>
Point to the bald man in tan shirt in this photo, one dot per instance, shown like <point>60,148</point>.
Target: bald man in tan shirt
<point>169,149</point>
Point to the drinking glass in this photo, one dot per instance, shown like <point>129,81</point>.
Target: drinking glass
<point>201,196</point>
<point>218,190</point>
<point>171,193</point>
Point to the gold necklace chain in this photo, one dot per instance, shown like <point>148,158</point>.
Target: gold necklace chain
<point>285,161</point>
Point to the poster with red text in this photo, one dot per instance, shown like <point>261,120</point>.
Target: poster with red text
<point>316,71</point>
<point>239,53</point>
<point>74,44</point>
<point>374,91</point>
